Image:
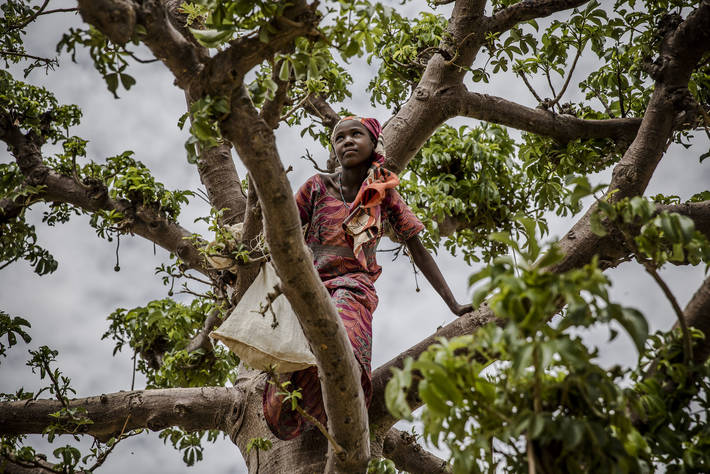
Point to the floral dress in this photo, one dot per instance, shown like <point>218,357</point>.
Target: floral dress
<point>350,284</point>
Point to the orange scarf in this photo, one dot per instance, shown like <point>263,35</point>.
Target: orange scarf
<point>365,220</point>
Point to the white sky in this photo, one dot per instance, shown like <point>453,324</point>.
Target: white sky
<point>68,309</point>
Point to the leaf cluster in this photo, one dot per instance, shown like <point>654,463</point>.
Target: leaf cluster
<point>160,333</point>
<point>661,237</point>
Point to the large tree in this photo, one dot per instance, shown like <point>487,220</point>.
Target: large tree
<point>248,68</point>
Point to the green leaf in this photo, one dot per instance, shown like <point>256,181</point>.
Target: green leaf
<point>596,225</point>
<point>211,38</point>
<point>635,324</point>
<point>284,71</point>
<point>127,81</point>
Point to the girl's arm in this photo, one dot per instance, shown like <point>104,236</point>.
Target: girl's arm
<point>424,261</point>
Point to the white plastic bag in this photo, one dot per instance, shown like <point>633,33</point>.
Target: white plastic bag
<point>272,339</point>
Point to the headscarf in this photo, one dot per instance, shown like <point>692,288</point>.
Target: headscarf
<point>373,126</point>
<point>365,219</point>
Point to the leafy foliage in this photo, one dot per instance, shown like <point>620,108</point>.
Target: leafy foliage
<point>160,333</point>
<point>528,389</point>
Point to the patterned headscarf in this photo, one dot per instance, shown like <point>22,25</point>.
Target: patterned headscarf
<point>365,219</point>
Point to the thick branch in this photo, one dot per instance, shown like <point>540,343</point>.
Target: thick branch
<point>697,315</point>
<point>189,408</point>
<point>438,95</point>
<point>528,10</point>
<point>698,211</point>
<point>219,175</point>
<point>681,51</point>
<point>542,122</point>
<point>338,369</point>
<point>409,456</point>
<point>271,110</point>
<point>317,105</point>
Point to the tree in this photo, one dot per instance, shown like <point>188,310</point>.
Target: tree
<point>249,67</point>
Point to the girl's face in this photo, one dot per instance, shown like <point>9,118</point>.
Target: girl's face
<point>352,143</point>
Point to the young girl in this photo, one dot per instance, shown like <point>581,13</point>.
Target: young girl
<point>344,213</point>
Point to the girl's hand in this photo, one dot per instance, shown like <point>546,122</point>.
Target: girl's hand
<point>461,309</point>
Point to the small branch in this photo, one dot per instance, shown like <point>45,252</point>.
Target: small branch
<point>47,61</point>
<point>318,106</point>
<point>336,447</point>
<point>55,383</point>
<point>687,345</point>
<point>142,61</point>
<point>310,158</point>
<point>529,86</point>
<point>618,85</point>
<point>293,109</point>
<point>103,456</point>
<point>531,457</point>
<point>31,18</point>
<point>549,80</point>
<point>569,76</point>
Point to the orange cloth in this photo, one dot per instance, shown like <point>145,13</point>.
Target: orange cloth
<point>365,220</point>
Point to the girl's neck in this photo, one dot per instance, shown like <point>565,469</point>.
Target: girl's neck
<point>352,178</point>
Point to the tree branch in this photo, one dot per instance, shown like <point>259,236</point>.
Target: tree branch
<point>271,110</point>
<point>337,367</point>
<point>317,105</point>
<point>528,10</point>
<point>542,122</point>
<point>227,68</point>
<point>670,101</point>
<point>117,19</point>
<point>140,220</point>
<point>696,315</point>
<point>189,408</point>
<point>224,189</point>
<point>409,456</point>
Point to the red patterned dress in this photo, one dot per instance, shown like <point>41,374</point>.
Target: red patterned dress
<point>350,285</point>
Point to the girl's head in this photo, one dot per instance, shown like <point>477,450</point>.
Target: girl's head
<point>350,125</point>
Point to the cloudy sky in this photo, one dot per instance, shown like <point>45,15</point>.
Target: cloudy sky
<point>68,308</point>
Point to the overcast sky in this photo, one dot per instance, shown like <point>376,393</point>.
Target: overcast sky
<point>68,308</point>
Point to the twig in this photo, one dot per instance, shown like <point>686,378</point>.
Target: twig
<point>59,10</point>
<point>102,457</point>
<point>601,100</point>
<point>549,79</point>
<point>336,447</point>
<point>687,346</point>
<point>530,88</point>
<point>29,56</point>
<point>133,377</point>
<point>706,120</point>
<point>55,382</point>
<point>569,76</point>
<point>531,458</point>
<point>142,61</point>
<point>310,158</point>
<point>31,18</point>
<point>9,262</point>
<point>187,291</point>
<point>295,107</point>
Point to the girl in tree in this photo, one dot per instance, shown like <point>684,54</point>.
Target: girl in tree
<point>344,213</point>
